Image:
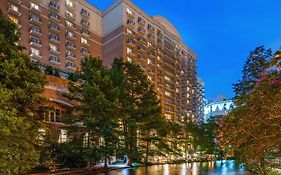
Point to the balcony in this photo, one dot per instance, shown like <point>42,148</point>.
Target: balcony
<point>151,54</point>
<point>70,56</point>
<point>130,43</point>
<point>35,8</point>
<point>35,32</point>
<point>85,13</point>
<point>151,37</point>
<point>54,16</point>
<point>35,44</point>
<point>70,16</point>
<point>141,31</point>
<point>54,28</point>
<point>141,21</point>
<point>54,51</point>
<point>70,36</point>
<point>70,66</point>
<point>160,35</point>
<point>32,55</point>
<point>141,49</point>
<point>131,24</point>
<point>85,32</point>
<point>130,14</point>
<point>70,46</point>
<point>130,54</point>
<point>141,41</point>
<point>55,62</point>
<point>35,20</point>
<point>14,10</point>
<point>18,2</point>
<point>140,56</point>
<point>53,6</point>
<point>150,28</point>
<point>85,23</point>
<point>54,39</point>
<point>85,52</point>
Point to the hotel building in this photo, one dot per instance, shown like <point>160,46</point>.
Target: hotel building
<point>61,32</point>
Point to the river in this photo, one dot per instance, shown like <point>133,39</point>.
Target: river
<point>204,168</point>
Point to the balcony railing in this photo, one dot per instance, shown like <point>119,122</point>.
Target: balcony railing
<point>13,11</point>
<point>35,32</point>
<point>70,56</point>
<point>54,6</point>
<point>18,2</point>
<point>36,20</point>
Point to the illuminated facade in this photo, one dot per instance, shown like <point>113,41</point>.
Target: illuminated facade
<point>62,32</point>
<point>218,108</point>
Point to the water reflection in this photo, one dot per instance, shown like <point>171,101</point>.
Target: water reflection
<point>205,168</point>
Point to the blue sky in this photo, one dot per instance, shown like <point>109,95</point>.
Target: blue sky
<point>221,32</point>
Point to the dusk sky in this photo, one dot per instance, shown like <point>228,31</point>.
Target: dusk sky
<point>221,32</point>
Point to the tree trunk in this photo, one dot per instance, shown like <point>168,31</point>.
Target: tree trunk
<point>105,162</point>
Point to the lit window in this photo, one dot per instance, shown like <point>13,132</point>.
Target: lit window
<point>34,6</point>
<point>167,93</point>
<point>129,60</point>
<point>34,52</point>
<point>53,47</point>
<point>69,3</point>
<point>70,34</point>
<point>149,44</point>
<point>129,31</point>
<point>129,11</point>
<point>68,23</point>
<point>149,61</point>
<point>68,13</point>
<point>149,77</point>
<point>84,41</point>
<point>14,20</point>
<point>129,50</point>
<point>14,8</point>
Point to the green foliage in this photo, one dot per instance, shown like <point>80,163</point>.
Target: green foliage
<point>21,83</point>
<point>50,70</point>
<point>252,129</point>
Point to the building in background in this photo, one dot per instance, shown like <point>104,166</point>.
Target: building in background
<point>62,32</point>
<point>200,99</point>
<point>219,107</point>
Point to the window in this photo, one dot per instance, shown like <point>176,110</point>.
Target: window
<point>69,53</point>
<point>167,93</point>
<point>54,58</point>
<point>53,36</point>
<point>69,3</point>
<point>14,20</point>
<point>149,61</point>
<point>129,60</point>
<point>54,5</point>
<point>68,23</point>
<point>129,31</point>
<point>34,6</point>
<point>14,8</point>
<point>85,31</point>
<point>149,44</point>
<point>129,11</point>
<point>53,26</point>
<point>84,41</point>
<point>85,50</point>
<point>34,17</point>
<point>35,28</point>
<point>69,44</point>
<point>70,34</point>
<point>53,15</point>
<point>70,64</point>
<point>34,52</point>
<point>85,22</point>
<point>53,47</point>
<point>129,50</point>
<point>149,77</point>
<point>68,13</point>
<point>34,40</point>
<point>84,12</point>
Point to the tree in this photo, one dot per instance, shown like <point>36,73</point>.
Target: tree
<point>97,105</point>
<point>254,67</point>
<point>252,130</point>
<point>21,83</point>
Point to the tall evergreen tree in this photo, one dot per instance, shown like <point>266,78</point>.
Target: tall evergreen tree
<point>21,83</point>
<point>97,106</point>
<point>254,67</point>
